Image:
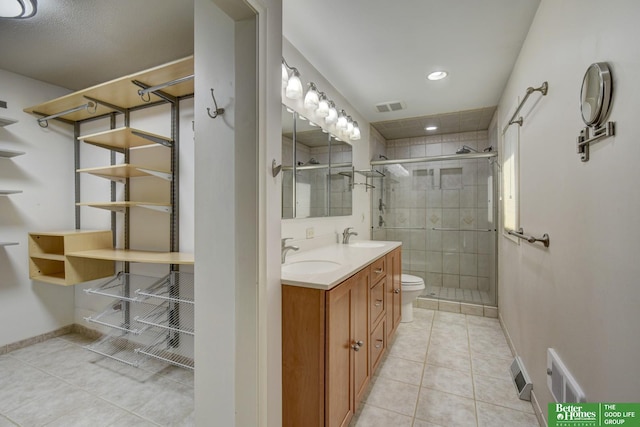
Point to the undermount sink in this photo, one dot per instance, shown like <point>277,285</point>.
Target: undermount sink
<point>366,245</point>
<point>310,267</point>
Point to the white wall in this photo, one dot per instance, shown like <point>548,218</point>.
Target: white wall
<point>45,175</point>
<point>580,296</point>
<point>325,229</point>
<point>215,200</point>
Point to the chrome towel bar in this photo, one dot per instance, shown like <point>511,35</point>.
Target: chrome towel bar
<point>542,89</point>
<point>520,234</point>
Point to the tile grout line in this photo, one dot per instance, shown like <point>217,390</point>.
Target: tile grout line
<point>424,366</point>
<point>473,382</point>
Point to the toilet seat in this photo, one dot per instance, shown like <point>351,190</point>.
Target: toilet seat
<point>410,279</point>
<point>409,282</point>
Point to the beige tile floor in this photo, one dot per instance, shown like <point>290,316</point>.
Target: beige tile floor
<point>57,383</point>
<point>445,369</point>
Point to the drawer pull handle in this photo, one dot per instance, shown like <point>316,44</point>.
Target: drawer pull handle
<point>377,270</point>
<point>379,343</point>
<point>378,302</point>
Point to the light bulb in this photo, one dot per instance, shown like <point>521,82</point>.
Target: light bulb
<point>355,133</point>
<point>285,76</point>
<point>332,116</point>
<point>311,99</point>
<point>349,125</point>
<point>294,87</point>
<point>323,106</point>
<point>342,121</point>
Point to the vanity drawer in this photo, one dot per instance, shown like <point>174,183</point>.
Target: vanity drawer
<point>378,344</point>
<point>376,302</point>
<point>378,270</point>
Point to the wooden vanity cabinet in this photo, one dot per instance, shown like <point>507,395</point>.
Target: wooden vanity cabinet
<point>331,342</point>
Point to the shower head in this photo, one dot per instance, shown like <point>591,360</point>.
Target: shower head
<point>465,149</point>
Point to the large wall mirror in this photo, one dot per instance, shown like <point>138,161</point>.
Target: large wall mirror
<point>317,169</point>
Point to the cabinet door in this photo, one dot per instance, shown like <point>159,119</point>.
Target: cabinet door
<point>360,319</point>
<point>340,330</point>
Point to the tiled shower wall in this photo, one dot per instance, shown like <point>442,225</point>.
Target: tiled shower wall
<point>445,194</point>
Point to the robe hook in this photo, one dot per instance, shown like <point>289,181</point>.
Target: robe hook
<point>218,111</point>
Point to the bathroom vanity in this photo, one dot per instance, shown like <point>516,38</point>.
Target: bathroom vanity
<point>340,307</point>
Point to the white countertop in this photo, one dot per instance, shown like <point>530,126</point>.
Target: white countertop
<point>351,260</point>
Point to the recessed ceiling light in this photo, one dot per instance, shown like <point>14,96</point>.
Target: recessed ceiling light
<point>431,128</point>
<point>437,75</point>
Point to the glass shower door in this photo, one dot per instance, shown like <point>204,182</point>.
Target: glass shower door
<point>444,213</point>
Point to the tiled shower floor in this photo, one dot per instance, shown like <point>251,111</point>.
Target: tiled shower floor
<point>57,383</point>
<point>445,369</point>
<point>458,294</point>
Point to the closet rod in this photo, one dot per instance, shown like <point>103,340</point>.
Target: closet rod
<point>145,91</point>
<point>86,106</point>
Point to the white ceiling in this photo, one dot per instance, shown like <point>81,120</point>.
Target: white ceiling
<point>375,51</point>
<point>372,51</point>
<point>80,43</point>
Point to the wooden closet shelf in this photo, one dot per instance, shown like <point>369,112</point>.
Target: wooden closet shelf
<point>121,92</point>
<point>129,255</point>
<point>121,206</point>
<point>125,137</point>
<point>124,171</point>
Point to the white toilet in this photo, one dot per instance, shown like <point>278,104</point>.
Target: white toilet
<point>412,287</point>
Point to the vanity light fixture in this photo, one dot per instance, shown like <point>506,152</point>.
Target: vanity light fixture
<point>316,104</point>
<point>437,75</point>
<point>431,128</point>
<point>293,88</point>
<point>332,116</point>
<point>323,106</point>
<point>311,99</point>
<point>18,9</point>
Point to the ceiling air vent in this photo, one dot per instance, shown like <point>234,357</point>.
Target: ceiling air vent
<point>386,107</point>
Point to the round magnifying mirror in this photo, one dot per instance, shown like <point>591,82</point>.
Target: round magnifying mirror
<point>595,96</point>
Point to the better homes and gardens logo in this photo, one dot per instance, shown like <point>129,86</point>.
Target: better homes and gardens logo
<point>594,414</point>
<point>573,414</point>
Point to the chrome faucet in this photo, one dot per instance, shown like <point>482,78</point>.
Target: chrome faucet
<point>346,234</point>
<point>286,248</point>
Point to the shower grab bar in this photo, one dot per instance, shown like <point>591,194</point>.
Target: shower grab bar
<point>403,228</point>
<point>484,230</point>
<point>520,235</point>
<point>544,88</point>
